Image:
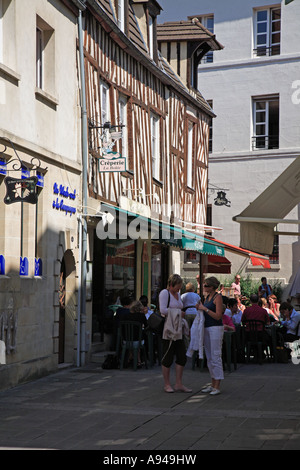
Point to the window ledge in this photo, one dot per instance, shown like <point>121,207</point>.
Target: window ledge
<point>41,94</point>
<point>274,267</point>
<point>10,73</point>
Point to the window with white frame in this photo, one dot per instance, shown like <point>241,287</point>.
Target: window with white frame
<point>1,31</point>
<point>45,56</point>
<point>8,33</point>
<point>154,122</point>
<point>123,121</point>
<point>190,154</point>
<point>265,123</point>
<point>208,23</point>
<point>210,140</point>
<point>267,27</point>
<point>39,58</point>
<point>151,35</point>
<point>104,97</point>
<point>120,8</point>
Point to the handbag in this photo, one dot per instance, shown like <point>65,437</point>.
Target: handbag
<point>156,321</point>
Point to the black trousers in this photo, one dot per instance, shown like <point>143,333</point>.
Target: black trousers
<point>171,349</point>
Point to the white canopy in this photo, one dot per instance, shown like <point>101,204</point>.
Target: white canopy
<point>269,209</point>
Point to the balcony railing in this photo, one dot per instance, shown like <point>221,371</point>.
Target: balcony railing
<point>266,142</point>
<point>266,51</point>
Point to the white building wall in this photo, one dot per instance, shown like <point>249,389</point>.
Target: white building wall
<point>45,124</point>
<point>231,81</point>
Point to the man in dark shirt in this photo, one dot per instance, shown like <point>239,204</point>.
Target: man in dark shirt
<point>255,312</point>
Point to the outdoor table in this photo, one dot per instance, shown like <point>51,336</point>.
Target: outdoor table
<point>272,331</point>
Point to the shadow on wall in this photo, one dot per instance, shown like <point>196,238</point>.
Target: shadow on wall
<point>37,333</point>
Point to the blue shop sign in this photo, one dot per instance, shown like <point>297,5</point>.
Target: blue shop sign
<point>65,193</point>
<point>3,167</point>
<point>40,179</point>
<point>25,173</point>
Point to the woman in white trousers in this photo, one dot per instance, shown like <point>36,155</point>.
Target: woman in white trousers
<point>213,333</point>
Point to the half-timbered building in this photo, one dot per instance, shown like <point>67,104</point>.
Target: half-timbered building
<point>148,132</point>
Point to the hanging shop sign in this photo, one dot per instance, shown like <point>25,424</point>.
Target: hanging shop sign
<point>60,202</point>
<point>23,189</point>
<point>111,162</point>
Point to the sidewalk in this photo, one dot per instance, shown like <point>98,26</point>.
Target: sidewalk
<point>94,409</point>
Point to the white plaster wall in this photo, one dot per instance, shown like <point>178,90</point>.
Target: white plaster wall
<point>21,112</point>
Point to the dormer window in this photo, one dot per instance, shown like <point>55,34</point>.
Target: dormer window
<point>120,9</point>
<point>151,36</point>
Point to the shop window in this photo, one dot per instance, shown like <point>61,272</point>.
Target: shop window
<point>159,271</point>
<point>119,270</point>
<point>191,257</point>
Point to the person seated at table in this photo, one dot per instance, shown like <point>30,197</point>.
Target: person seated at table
<point>255,312</point>
<point>291,322</point>
<point>234,313</point>
<point>144,300</point>
<point>274,306</point>
<point>239,299</point>
<point>124,310</point>
<point>227,323</point>
<point>265,304</point>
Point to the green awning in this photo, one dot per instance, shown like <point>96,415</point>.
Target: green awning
<point>172,235</point>
<point>203,246</point>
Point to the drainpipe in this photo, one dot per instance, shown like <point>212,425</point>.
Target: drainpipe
<point>81,312</point>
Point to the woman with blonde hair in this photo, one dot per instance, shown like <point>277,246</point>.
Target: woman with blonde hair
<point>213,333</point>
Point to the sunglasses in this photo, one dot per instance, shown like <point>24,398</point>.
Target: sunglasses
<point>206,285</point>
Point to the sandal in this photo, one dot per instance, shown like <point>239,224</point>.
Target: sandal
<point>168,389</point>
<point>183,389</point>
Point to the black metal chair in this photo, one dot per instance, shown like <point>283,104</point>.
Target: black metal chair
<point>256,339</point>
<point>131,339</point>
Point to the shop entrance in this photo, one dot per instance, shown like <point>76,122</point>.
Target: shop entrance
<point>62,312</point>
<point>67,302</point>
<point>114,273</point>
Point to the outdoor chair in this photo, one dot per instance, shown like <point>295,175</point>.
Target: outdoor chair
<point>256,339</point>
<point>130,339</point>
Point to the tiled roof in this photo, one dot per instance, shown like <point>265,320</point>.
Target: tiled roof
<point>165,66</point>
<point>137,40</point>
<point>189,30</point>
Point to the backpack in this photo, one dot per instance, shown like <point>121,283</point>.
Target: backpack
<point>111,362</point>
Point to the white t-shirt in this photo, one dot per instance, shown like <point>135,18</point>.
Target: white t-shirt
<point>188,299</point>
<point>163,301</point>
